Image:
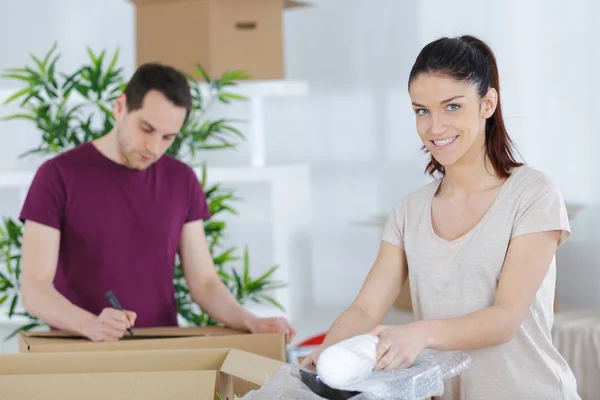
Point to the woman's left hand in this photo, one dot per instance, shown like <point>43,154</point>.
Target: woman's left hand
<point>399,345</point>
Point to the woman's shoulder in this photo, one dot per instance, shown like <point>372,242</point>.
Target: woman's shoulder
<point>528,181</point>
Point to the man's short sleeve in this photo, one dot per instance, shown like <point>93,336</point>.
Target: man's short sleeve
<point>393,231</point>
<point>541,208</point>
<point>45,199</point>
<point>198,208</point>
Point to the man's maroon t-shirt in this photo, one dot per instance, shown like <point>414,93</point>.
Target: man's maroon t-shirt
<point>120,228</point>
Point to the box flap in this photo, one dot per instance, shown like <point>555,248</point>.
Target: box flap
<point>249,367</point>
<point>113,361</point>
<point>147,333</point>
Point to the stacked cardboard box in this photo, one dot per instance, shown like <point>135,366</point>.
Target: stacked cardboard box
<point>220,35</point>
<point>156,363</point>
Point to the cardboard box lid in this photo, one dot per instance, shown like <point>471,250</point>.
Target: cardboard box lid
<point>272,345</point>
<point>143,333</point>
<point>244,365</point>
<point>286,3</point>
<point>185,372</point>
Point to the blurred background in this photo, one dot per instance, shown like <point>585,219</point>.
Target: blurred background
<point>331,143</point>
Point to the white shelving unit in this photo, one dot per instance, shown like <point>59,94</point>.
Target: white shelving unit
<point>290,197</point>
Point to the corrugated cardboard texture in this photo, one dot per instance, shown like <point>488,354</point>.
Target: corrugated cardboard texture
<point>188,385</point>
<point>153,374</point>
<point>271,345</point>
<point>220,35</point>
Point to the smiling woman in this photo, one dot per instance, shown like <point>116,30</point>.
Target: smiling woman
<point>477,244</point>
<point>461,107</point>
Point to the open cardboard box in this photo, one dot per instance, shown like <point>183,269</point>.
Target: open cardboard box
<point>220,35</point>
<point>270,345</point>
<point>181,374</point>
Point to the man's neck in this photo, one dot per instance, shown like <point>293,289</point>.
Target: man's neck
<point>107,145</point>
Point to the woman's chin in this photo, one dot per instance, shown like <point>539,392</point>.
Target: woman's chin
<point>445,160</point>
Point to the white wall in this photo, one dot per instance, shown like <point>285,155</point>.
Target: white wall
<point>356,128</point>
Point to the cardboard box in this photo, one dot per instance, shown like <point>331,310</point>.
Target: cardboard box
<point>132,375</point>
<point>220,35</point>
<point>271,345</point>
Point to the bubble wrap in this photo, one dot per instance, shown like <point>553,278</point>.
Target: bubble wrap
<point>425,378</point>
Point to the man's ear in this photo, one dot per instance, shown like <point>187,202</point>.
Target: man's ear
<point>120,106</point>
<point>489,103</point>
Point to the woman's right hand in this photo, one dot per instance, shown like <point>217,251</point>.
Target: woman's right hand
<point>312,357</point>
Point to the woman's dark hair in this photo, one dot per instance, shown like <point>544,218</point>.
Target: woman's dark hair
<point>467,58</point>
<point>163,78</point>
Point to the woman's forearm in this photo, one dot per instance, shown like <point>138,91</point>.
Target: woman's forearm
<point>354,321</point>
<point>485,328</point>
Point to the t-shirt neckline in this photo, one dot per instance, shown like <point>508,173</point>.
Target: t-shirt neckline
<point>113,164</point>
<point>478,224</point>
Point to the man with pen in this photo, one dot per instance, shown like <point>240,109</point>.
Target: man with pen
<point>113,213</point>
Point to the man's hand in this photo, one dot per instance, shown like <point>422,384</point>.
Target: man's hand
<point>272,325</point>
<point>399,346</point>
<point>110,325</point>
<point>209,292</point>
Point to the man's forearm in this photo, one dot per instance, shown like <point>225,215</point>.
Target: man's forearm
<point>489,327</point>
<point>47,304</point>
<point>216,300</point>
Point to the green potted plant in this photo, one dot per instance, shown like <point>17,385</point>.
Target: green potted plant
<point>71,108</point>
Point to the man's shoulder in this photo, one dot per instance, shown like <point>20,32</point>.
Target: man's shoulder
<point>173,164</point>
<point>71,159</point>
<point>73,156</point>
<point>175,169</point>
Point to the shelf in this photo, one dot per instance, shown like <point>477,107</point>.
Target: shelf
<point>21,178</point>
<point>271,88</point>
<point>252,89</point>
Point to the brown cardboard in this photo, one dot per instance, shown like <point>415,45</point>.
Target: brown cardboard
<point>132,375</point>
<point>271,345</point>
<point>220,35</point>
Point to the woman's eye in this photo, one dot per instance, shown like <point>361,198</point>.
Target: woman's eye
<point>453,107</point>
<point>421,111</point>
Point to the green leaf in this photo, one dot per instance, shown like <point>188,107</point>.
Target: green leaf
<point>272,301</point>
<point>202,72</point>
<point>24,328</point>
<point>3,299</point>
<point>246,266</point>
<point>239,285</point>
<point>230,77</point>
<point>19,116</point>
<point>18,77</point>
<point>227,97</point>
<point>17,95</point>
<point>13,305</point>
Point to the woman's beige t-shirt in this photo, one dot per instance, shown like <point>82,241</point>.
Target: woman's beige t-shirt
<point>453,278</point>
